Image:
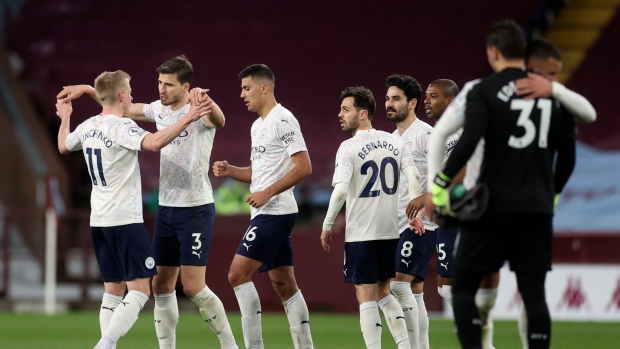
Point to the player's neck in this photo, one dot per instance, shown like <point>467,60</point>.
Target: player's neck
<point>270,103</point>
<point>181,103</point>
<point>402,126</point>
<point>362,127</point>
<point>115,109</point>
<point>504,64</point>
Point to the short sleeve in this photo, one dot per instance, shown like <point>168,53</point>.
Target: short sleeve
<point>407,159</point>
<point>130,136</point>
<point>74,139</point>
<point>151,110</point>
<point>289,134</point>
<point>345,163</point>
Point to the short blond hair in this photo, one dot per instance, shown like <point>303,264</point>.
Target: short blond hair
<point>108,84</point>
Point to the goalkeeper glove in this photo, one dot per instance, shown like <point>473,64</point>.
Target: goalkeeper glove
<point>440,193</point>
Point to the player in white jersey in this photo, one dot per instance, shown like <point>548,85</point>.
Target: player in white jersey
<point>279,160</point>
<point>185,218</point>
<point>367,174</point>
<point>414,252</point>
<point>544,59</point>
<point>110,144</point>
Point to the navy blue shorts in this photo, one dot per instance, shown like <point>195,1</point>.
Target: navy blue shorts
<point>268,239</point>
<point>414,253</point>
<point>183,235</point>
<point>124,252</point>
<point>369,262</point>
<point>446,237</point>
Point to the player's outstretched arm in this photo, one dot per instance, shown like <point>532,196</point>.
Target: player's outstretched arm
<point>301,170</point>
<point>537,86</point>
<point>223,169</point>
<point>156,141</point>
<point>63,110</point>
<point>216,117</point>
<point>339,196</point>
<point>72,92</point>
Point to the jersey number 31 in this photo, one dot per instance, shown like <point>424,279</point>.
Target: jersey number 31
<point>526,107</point>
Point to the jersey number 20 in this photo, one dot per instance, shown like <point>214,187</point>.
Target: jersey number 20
<point>97,152</point>
<point>372,165</point>
<point>526,107</point>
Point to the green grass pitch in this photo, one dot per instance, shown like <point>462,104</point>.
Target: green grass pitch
<point>330,331</point>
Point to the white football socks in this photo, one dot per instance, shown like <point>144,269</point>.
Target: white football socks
<point>370,322</point>
<point>403,294</point>
<point>485,300</point>
<point>108,305</point>
<point>124,317</point>
<point>299,321</point>
<point>249,305</point>
<point>422,321</point>
<point>212,311</point>
<point>166,314</point>
<point>446,293</point>
<point>395,319</point>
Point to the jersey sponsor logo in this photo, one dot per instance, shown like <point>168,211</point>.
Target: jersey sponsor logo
<point>259,149</point>
<point>444,265</point>
<point>247,247</point>
<point>368,148</point>
<point>406,263</point>
<point>288,138</point>
<point>197,253</point>
<point>149,263</point>
<point>450,146</point>
<point>96,134</point>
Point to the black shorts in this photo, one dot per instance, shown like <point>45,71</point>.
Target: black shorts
<point>523,239</point>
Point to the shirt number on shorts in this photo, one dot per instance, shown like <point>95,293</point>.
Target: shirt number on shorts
<point>441,254</point>
<point>368,192</point>
<point>407,247</point>
<point>197,240</point>
<point>250,235</point>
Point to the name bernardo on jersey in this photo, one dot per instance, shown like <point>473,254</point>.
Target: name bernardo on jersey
<point>368,148</point>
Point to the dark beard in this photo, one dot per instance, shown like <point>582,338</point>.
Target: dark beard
<point>398,117</point>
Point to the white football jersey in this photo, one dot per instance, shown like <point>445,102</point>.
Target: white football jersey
<point>416,137</point>
<point>184,162</point>
<point>274,140</point>
<point>371,163</point>
<point>110,145</point>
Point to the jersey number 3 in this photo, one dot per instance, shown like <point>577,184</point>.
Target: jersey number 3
<point>368,192</point>
<point>97,152</point>
<point>526,107</point>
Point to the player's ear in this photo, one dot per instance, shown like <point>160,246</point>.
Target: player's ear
<point>186,86</point>
<point>413,103</point>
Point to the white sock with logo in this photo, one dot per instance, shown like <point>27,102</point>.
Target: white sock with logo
<point>395,319</point>
<point>212,311</point>
<point>370,322</point>
<point>124,316</point>
<point>403,294</point>
<point>166,314</point>
<point>249,305</point>
<point>299,321</point>
<point>108,305</point>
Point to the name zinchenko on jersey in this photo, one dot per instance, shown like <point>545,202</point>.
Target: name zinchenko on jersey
<point>376,145</point>
<point>98,135</point>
